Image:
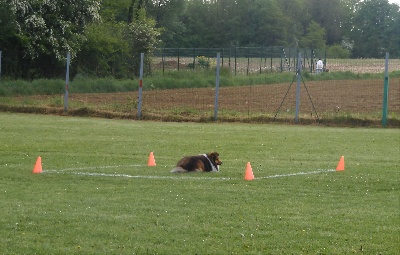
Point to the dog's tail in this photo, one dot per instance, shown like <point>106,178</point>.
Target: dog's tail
<point>178,169</point>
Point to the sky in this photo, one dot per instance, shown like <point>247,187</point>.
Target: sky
<point>395,1</point>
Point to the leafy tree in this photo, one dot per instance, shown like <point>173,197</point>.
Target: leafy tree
<point>338,51</point>
<point>44,31</point>
<point>136,8</point>
<point>198,32</point>
<point>227,23</point>
<point>375,29</point>
<point>263,24</point>
<point>104,52</point>
<point>329,14</point>
<point>142,37</point>
<point>314,37</point>
<point>392,31</point>
<point>7,26</point>
<point>113,47</point>
<point>298,19</point>
<point>167,15</point>
<point>106,37</point>
<point>115,11</point>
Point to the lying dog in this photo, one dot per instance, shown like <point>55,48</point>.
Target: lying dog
<point>202,163</point>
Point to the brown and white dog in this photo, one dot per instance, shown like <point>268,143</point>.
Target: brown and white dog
<point>201,163</point>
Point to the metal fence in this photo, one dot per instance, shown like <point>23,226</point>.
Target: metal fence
<point>353,101</point>
<point>239,60</point>
<point>356,101</point>
<point>248,60</point>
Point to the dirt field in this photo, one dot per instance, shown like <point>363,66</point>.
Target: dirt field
<point>350,96</point>
<point>327,100</point>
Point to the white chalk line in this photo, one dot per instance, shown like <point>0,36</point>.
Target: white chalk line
<point>300,173</point>
<point>175,177</point>
<point>91,168</point>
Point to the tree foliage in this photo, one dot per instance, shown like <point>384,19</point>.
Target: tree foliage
<point>106,37</point>
<point>113,47</point>
<point>102,54</point>
<point>315,37</point>
<point>376,29</point>
<point>329,14</point>
<point>349,24</point>
<point>43,31</point>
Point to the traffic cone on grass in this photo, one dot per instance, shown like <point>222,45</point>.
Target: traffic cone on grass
<point>340,166</point>
<point>151,161</point>
<point>248,176</point>
<point>37,169</point>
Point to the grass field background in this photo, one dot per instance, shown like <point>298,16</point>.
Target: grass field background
<point>97,195</point>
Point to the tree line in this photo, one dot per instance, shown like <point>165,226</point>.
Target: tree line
<point>106,37</point>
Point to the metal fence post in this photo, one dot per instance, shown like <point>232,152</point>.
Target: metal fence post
<point>216,89</point>
<point>194,58</point>
<point>0,63</point>
<point>163,60</point>
<point>222,60</point>
<point>235,59</point>
<point>178,58</point>
<point>140,87</point>
<point>385,92</point>
<point>66,83</point>
<point>296,120</point>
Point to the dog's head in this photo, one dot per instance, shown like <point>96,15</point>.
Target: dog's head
<point>214,156</point>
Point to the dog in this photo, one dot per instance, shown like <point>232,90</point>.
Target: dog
<point>201,163</point>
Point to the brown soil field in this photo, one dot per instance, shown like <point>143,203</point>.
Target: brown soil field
<point>358,101</point>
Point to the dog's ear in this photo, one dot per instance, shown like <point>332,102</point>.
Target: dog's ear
<point>214,155</point>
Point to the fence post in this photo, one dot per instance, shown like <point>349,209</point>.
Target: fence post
<point>194,58</point>
<point>271,64</point>
<point>0,63</point>
<point>312,60</point>
<point>66,83</point>
<point>385,92</point>
<point>140,87</point>
<point>163,60</point>
<point>178,57</point>
<point>216,89</point>
<point>229,59</point>
<point>248,61</point>
<point>235,58</point>
<point>296,119</point>
<point>222,60</point>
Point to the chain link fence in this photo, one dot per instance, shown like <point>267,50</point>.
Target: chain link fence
<point>239,60</point>
<point>352,101</point>
<point>250,60</point>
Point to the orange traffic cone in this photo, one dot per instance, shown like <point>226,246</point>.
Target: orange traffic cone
<point>37,169</point>
<point>151,161</point>
<point>248,176</point>
<point>340,166</point>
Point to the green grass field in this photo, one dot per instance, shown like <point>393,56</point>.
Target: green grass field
<point>97,195</point>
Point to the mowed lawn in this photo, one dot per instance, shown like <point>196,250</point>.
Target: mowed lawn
<point>96,194</point>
